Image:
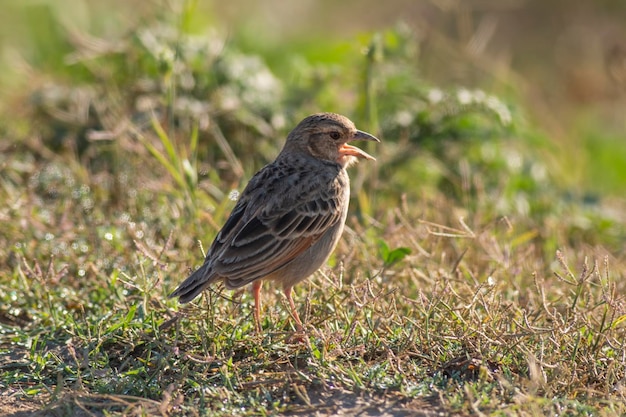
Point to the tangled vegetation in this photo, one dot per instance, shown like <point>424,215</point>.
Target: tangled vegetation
<point>469,279</point>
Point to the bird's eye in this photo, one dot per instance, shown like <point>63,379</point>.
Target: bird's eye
<point>335,135</point>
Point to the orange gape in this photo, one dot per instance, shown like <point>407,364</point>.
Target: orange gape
<point>290,216</point>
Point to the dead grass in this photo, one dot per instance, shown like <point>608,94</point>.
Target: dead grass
<point>468,281</point>
<point>474,316</point>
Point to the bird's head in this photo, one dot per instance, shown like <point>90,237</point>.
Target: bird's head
<point>326,136</point>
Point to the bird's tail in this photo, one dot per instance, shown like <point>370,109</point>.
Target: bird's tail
<point>194,284</point>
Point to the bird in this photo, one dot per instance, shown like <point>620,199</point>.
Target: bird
<point>290,216</point>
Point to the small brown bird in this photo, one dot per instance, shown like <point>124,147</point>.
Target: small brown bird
<point>290,216</point>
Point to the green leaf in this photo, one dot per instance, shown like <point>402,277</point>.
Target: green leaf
<point>392,256</point>
<point>618,321</point>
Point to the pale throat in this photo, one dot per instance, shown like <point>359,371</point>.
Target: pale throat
<point>346,161</point>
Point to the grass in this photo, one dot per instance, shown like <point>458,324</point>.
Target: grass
<point>468,280</point>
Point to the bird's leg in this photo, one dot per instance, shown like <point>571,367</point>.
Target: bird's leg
<point>256,292</point>
<point>294,312</point>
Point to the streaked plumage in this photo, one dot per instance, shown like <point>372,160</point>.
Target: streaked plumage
<point>290,216</point>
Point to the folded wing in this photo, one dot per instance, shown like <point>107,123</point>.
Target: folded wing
<point>264,241</point>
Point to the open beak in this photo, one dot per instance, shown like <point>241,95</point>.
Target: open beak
<point>346,149</point>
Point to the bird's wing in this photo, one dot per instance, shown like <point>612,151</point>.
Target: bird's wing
<point>266,232</point>
<point>202,277</point>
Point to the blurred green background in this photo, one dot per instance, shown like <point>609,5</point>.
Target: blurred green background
<point>126,125</point>
<point>562,62</point>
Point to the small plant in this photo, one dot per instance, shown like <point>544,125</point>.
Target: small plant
<point>392,256</point>
<point>444,295</point>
